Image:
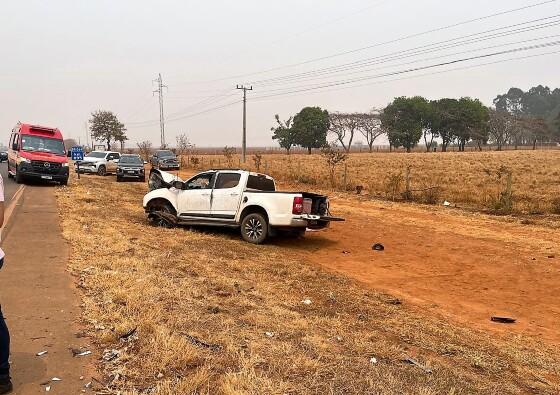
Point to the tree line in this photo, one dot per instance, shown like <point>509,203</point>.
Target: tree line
<point>517,118</point>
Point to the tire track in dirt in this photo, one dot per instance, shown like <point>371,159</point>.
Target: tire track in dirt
<point>461,266</point>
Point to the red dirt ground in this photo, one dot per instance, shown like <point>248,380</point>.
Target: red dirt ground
<point>462,266</point>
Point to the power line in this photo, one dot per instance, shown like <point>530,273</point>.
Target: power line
<point>345,82</point>
<point>449,43</point>
<point>392,41</point>
<point>261,98</point>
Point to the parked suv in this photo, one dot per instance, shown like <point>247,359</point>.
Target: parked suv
<point>100,162</point>
<point>37,152</point>
<point>131,166</point>
<point>165,160</point>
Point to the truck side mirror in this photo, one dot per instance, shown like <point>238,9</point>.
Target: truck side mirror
<point>177,185</point>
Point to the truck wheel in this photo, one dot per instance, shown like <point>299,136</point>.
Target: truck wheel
<point>18,177</point>
<point>102,170</point>
<point>163,207</point>
<point>64,181</point>
<point>254,228</point>
<point>119,179</point>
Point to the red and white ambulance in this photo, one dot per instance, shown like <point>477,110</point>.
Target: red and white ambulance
<point>37,152</point>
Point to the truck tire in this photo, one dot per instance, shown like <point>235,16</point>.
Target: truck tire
<point>119,179</point>
<point>164,207</point>
<point>102,170</point>
<point>254,228</point>
<point>18,177</point>
<point>64,181</point>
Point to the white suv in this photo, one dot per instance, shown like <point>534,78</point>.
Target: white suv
<point>100,162</point>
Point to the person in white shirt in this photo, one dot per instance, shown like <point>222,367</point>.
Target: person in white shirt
<point>5,381</point>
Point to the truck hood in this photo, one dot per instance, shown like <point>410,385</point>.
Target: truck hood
<point>45,156</point>
<point>161,179</point>
<point>92,160</point>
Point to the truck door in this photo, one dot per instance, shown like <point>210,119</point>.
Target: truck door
<point>195,200</point>
<point>226,195</point>
<point>12,153</point>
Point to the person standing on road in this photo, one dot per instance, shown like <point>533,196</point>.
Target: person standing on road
<point>5,381</point>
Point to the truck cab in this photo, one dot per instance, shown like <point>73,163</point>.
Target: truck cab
<point>37,152</point>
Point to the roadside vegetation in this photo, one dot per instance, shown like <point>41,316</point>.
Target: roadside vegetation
<point>178,311</point>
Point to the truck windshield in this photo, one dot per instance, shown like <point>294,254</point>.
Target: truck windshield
<point>42,144</point>
<point>166,154</point>
<point>96,154</point>
<point>131,159</point>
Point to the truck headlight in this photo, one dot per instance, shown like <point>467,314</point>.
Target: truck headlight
<point>24,160</point>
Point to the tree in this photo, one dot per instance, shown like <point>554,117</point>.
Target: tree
<point>184,147</point>
<point>404,119</point>
<point>370,127</point>
<point>310,127</point>
<point>471,120</point>
<point>284,133</point>
<point>343,125</point>
<point>537,128</point>
<point>501,126</point>
<point>145,149</point>
<point>333,157</point>
<point>106,127</point>
<point>69,143</point>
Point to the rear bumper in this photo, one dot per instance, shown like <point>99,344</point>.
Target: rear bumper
<point>313,221</point>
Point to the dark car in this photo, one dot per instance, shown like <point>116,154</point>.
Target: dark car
<point>3,156</point>
<point>130,167</point>
<point>165,160</point>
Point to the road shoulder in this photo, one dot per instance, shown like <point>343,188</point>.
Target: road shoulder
<point>39,298</point>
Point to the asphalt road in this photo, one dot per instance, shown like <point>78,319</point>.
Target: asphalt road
<point>10,186</point>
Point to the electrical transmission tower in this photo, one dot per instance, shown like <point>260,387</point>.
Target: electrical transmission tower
<point>159,91</point>
<point>244,143</point>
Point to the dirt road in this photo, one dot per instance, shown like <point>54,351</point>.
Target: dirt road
<point>462,266</point>
<point>39,299</point>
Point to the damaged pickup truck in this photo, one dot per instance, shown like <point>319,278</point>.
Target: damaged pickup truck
<point>234,198</point>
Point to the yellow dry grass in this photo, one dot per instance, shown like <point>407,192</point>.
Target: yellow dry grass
<point>215,315</point>
<point>467,179</point>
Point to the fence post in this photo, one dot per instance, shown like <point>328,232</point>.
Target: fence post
<point>345,175</point>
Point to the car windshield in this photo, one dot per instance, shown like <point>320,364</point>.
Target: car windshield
<point>166,154</point>
<point>42,144</point>
<point>96,154</point>
<point>131,159</point>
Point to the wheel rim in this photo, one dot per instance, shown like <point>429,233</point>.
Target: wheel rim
<point>101,171</point>
<point>254,229</point>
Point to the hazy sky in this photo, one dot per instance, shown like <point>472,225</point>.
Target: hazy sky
<point>63,59</point>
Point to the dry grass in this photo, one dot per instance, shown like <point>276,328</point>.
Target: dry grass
<point>175,285</point>
<point>467,179</point>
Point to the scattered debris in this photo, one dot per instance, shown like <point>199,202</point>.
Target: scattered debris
<point>48,388</point>
<point>345,252</point>
<point>378,247</point>
<point>110,355</point>
<point>306,301</point>
<point>99,327</point>
<point>88,385</point>
<point>503,320</point>
<point>41,353</point>
<point>128,334</point>
<point>81,377</point>
<point>269,334</point>
<point>76,352</point>
<point>373,360</point>
<point>394,301</point>
<point>159,375</point>
<point>414,362</point>
<point>446,203</point>
<point>359,189</point>
<point>551,257</point>
<point>200,343</point>
<point>56,379</point>
<point>338,338</point>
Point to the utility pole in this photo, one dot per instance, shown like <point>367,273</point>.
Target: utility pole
<point>159,91</point>
<point>244,142</point>
<point>87,133</point>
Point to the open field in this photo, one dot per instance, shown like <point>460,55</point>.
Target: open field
<point>217,315</point>
<point>467,179</point>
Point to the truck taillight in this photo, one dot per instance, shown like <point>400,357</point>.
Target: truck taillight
<point>297,208</point>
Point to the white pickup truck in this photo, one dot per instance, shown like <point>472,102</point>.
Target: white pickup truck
<point>234,198</point>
